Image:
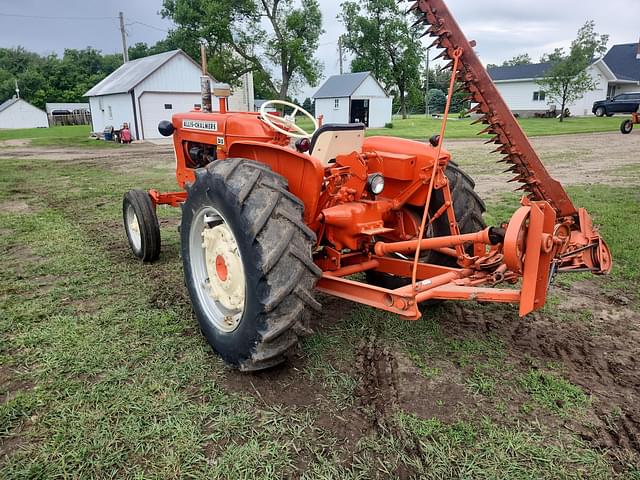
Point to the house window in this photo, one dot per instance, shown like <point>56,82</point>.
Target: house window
<point>336,104</point>
<point>110,113</point>
<point>611,91</point>
<point>539,96</point>
<point>168,106</point>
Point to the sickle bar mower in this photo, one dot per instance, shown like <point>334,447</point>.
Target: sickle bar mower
<point>381,221</point>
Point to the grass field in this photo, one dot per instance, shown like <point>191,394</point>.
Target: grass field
<point>417,128</point>
<point>68,136</point>
<point>104,374</point>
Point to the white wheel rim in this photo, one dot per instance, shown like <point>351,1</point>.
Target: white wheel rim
<point>133,227</point>
<point>217,270</point>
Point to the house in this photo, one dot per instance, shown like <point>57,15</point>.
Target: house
<point>617,72</point>
<point>18,113</point>
<point>146,91</point>
<point>257,105</point>
<point>354,98</point>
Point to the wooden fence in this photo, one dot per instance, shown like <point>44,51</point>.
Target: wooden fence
<point>80,118</point>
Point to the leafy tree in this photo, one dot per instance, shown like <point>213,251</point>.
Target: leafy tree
<point>567,80</point>
<point>437,100</point>
<point>309,106</point>
<point>239,43</point>
<point>522,59</point>
<point>384,43</point>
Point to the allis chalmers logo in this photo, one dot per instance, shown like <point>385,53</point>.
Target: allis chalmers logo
<point>200,125</point>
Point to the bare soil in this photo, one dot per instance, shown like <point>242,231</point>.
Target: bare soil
<point>601,354</point>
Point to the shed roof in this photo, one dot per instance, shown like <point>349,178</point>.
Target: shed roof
<point>341,86</point>
<point>519,72</point>
<point>133,73</point>
<point>622,60</point>
<point>8,103</point>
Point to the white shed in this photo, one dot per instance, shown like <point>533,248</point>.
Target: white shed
<point>354,98</point>
<point>146,91</point>
<point>18,113</point>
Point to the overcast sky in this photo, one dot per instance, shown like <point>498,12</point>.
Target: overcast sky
<point>502,28</point>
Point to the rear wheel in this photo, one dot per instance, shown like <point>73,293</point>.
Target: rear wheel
<point>141,224</point>
<point>469,209</point>
<point>626,127</point>
<point>248,262</point>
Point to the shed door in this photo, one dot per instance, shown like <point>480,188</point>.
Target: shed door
<point>155,107</point>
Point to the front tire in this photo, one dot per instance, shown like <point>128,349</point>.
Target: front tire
<point>601,112</point>
<point>627,127</point>
<point>141,225</point>
<point>240,221</point>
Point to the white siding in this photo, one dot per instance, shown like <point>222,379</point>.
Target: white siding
<point>23,115</point>
<point>627,88</point>
<point>243,95</point>
<point>369,89</point>
<point>112,110</point>
<point>519,95</point>
<point>380,112</point>
<point>152,108</point>
<point>326,108</point>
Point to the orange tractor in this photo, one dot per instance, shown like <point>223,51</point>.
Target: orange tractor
<point>272,214</point>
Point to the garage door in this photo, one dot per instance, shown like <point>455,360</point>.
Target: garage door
<point>155,107</point>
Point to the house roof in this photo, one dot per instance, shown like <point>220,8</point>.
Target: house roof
<point>66,107</point>
<point>133,73</point>
<point>623,62</point>
<point>519,72</point>
<point>8,103</point>
<point>340,86</point>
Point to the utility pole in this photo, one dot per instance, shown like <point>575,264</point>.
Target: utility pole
<point>125,50</point>
<point>340,54</point>
<point>426,96</point>
<point>17,89</point>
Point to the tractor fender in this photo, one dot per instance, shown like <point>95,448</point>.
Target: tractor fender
<point>304,174</point>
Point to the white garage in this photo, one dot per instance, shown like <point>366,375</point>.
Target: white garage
<point>146,91</point>
<point>354,98</point>
<point>18,113</point>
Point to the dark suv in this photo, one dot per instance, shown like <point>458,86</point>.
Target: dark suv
<point>623,103</point>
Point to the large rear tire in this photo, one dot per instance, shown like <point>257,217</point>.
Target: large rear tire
<point>469,209</point>
<point>248,262</point>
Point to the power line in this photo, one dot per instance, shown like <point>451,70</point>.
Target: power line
<point>42,17</point>
<point>148,26</point>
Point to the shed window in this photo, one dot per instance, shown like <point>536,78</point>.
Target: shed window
<point>168,106</point>
<point>336,104</point>
<point>539,96</point>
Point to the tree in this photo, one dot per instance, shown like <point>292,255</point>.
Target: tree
<point>309,106</point>
<point>567,80</point>
<point>522,59</point>
<point>238,43</point>
<point>383,42</point>
<point>437,100</point>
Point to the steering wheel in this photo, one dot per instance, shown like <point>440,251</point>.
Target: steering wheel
<point>279,124</point>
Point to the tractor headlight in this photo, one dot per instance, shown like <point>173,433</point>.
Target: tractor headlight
<point>376,183</point>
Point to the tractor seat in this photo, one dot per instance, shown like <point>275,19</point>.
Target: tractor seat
<point>333,139</point>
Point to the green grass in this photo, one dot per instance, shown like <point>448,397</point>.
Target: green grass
<point>67,136</point>
<point>105,374</point>
<point>421,128</point>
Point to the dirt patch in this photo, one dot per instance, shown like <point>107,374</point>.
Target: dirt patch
<point>571,159</point>
<point>15,206</point>
<point>599,353</point>
<point>18,142</point>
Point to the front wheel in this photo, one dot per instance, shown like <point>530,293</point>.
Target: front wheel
<point>248,262</point>
<point>141,224</point>
<point>601,112</point>
<point>627,127</point>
